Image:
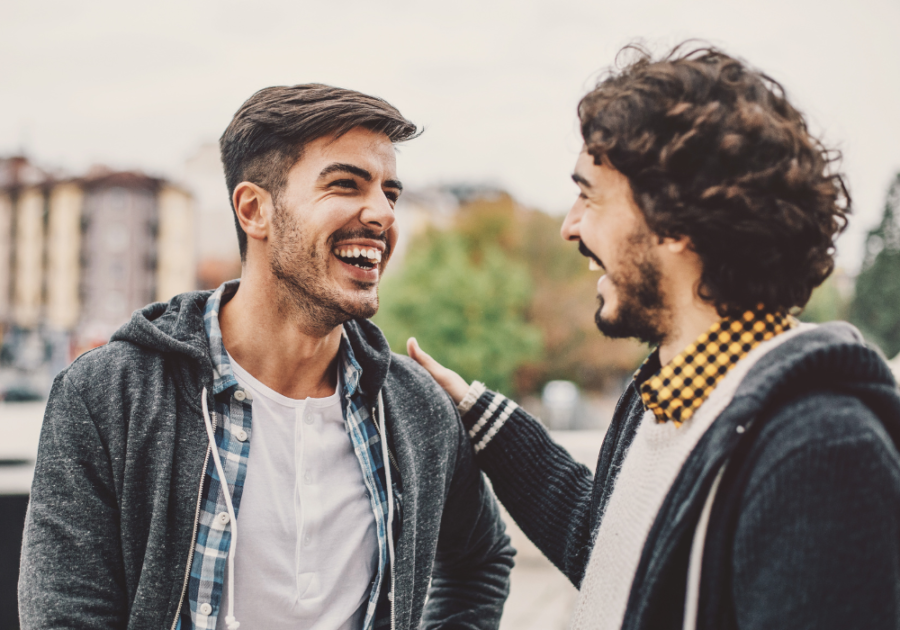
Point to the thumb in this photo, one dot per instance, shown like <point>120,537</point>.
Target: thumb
<point>453,383</point>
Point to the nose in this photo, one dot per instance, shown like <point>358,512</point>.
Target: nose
<point>378,214</point>
<point>571,227</point>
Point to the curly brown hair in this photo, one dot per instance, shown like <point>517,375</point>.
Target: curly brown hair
<point>714,152</point>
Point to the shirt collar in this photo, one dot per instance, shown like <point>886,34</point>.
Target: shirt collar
<point>223,376</point>
<point>676,390</point>
<point>350,369</point>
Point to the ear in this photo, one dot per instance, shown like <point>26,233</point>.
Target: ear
<point>677,245</point>
<point>253,206</point>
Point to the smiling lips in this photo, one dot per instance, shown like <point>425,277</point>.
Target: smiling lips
<point>362,257</point>
<point>594,263</point>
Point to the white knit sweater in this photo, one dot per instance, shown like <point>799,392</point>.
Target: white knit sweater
<point>654,459</point>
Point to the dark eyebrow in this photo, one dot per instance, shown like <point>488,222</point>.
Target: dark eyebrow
<point>340,167</point>
<point>581,181</point>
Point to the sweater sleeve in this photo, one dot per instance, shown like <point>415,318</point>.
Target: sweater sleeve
<point>544,489</point>
<point>71,573</point>
<point>817,544</point>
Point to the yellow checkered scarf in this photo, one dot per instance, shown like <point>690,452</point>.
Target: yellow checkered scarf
<point>678,389</point>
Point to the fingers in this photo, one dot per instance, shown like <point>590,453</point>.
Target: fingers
<point>453,383</point>
<point>421,357</point>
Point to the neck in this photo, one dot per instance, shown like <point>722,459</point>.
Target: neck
<point>690,318</point>
<point>272,343</point>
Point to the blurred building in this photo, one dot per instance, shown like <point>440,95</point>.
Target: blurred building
<point>79,254</point>
<point>215,239</point>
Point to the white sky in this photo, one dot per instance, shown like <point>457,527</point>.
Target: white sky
<point>141,85</point>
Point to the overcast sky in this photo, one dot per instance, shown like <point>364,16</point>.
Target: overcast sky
<point>495,84</point>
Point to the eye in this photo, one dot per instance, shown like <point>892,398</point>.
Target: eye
<point>347,184</point>
<point>392,195</point>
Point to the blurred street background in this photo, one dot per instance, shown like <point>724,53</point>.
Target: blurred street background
<point>112,194</point>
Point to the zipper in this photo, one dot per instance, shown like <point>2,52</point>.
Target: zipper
<point>190,560</point>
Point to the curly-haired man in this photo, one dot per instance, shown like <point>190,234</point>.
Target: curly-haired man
<point>750,477</point>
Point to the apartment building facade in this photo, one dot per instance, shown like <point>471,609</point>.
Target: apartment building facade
<point>78,255</point>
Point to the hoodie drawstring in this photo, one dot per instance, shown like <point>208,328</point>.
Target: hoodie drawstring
<point>232,623</point>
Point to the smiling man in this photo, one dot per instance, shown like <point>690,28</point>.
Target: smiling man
<point>270,408</point>
<point>750,476</point>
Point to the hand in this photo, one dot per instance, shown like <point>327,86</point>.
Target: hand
<point>453,383</point>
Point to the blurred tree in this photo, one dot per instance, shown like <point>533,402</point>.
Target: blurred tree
<point>468,312</point>
<point>827,303</point>
<point>876,305</point>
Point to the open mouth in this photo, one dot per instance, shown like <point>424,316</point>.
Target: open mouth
<point>363,257</point>
<point>594,263</point>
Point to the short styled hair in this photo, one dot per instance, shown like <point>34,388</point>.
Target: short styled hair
<point>268,133</point>
<point>714,152</point>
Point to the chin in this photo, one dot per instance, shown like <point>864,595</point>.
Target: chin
<point>361,307</point>
<point>629,323</point>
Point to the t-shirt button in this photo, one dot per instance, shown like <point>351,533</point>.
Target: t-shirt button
<point>239,395</point>
<point>309,419</point>
<point>242,435</point>
<point>205,609</point>
<point>223,519</point>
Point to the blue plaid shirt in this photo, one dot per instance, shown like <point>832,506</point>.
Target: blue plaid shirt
<point>232,415</point>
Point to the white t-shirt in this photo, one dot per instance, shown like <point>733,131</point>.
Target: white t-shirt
<point>307,548</point>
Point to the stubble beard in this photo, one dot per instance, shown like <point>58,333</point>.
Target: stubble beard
<point>641,313</point>
<point>302,269</point>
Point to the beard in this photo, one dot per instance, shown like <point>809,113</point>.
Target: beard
<point>641,314</point>
<point>302,270</point>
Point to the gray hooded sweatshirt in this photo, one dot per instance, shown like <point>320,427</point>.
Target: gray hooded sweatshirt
<point>112,518</point>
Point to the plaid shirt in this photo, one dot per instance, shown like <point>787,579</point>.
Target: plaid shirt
<point>231,417</point>
<point>675,391</point>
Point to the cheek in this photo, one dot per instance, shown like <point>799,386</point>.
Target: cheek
<point>393,235</point>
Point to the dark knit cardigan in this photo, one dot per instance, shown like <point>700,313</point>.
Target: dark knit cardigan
<point>805,527</point>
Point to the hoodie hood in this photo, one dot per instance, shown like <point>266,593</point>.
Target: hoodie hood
<point>371,351</point>
<point>831,356</point>
<point>176,327</point>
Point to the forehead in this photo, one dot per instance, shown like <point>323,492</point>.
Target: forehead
<point>359,146</point>
<point>602,180</point>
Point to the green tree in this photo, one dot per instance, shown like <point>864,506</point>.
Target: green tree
<point>466,305</point>
<point>876,305</point>
<point>826,303</point>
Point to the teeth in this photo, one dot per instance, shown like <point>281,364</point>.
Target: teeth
<point>592,265</point>
<point>356,252</point>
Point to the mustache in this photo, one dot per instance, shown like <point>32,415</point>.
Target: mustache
<point>587,253</point>
<point>365,233</point>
